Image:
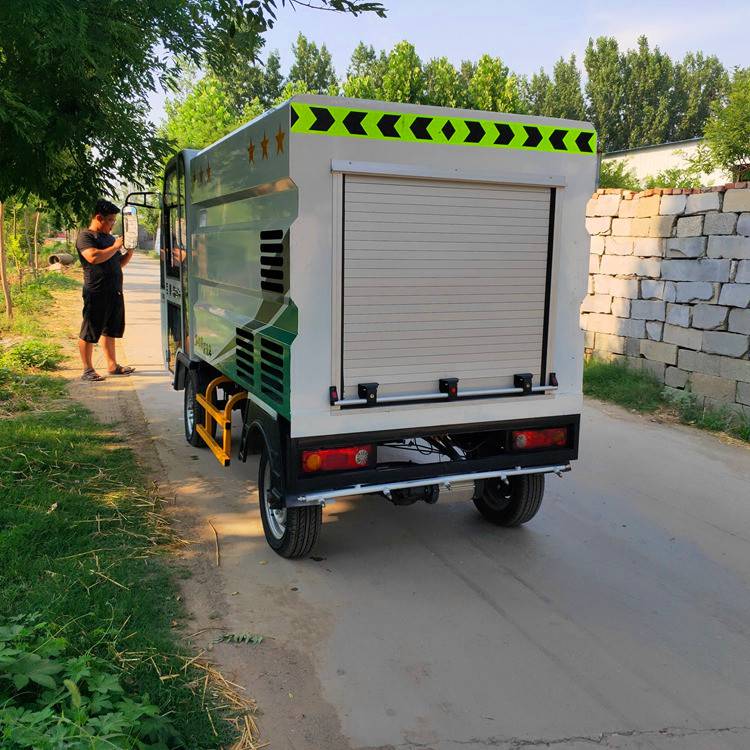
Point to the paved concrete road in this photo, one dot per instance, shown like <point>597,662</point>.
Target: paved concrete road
<point>619,618</point>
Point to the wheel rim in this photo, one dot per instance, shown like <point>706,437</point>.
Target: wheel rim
<point>190,407</point>
<point>276,517</point>
<point>497,494</point>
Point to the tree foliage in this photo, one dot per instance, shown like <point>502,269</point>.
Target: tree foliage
<point>313,67</point>
<point>728,129</point>
<point>641,96</point>
<point>75,77</point>
<point>559,96</point>
<point>206,113</point>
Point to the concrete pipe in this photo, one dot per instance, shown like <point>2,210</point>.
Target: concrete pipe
<point>64,259</point>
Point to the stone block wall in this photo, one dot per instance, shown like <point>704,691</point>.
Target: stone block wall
<point>669,287</point>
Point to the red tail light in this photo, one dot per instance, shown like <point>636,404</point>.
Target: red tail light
<point>337,459</point>
<point>554,437</point>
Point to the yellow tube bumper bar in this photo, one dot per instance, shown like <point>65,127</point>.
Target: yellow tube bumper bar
<point>222,417</point>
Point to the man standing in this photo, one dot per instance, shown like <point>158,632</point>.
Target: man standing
<point>103,305</point>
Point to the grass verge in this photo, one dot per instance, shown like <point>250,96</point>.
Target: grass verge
<point>89,606</point>
<point>641,392</point>
<point>32,301</point>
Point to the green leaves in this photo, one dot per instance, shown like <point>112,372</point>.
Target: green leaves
<point>728,130</point>
<point>75,80</point>
<point>67,703</point>
<point>21,668</point>
<point>641,96</point>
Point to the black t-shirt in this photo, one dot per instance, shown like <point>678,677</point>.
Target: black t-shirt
<point>99,277</point>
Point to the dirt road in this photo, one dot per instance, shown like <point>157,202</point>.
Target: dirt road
<point>619,618</point>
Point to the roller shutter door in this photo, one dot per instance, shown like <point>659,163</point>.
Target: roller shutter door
<point>442,279</point>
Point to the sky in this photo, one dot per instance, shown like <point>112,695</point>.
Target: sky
<point>527,36</point>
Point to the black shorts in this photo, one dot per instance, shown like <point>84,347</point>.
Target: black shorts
<point>103,315</point>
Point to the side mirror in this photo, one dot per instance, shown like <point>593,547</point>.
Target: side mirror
<point>129,228</point>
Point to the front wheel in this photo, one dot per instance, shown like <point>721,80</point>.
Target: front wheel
<point>290,532</point>
<point>510,504</point>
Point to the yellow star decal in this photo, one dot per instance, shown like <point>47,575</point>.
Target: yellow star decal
<point>264,146</point>
<point>280,141</point>
<point>251,153</point>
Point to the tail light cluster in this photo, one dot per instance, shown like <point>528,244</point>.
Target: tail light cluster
<point>338,459</point>
<point>552,437</point>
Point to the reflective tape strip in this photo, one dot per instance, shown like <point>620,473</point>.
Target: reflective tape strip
<point>412,127</point>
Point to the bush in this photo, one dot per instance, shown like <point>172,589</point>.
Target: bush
<point>51,700</point>
<point>32,353</point>
<point>617,174</point>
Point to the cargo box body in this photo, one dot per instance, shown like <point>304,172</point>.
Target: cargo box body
<point>341,242</point>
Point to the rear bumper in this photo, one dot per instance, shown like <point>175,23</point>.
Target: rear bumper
<point>327,496</point>
<point>497,461</point>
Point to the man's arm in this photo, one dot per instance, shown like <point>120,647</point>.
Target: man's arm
<point>98,255</point>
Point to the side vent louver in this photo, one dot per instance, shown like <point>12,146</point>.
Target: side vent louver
<point>272,260</point>
<point>245,352</point>
<point>272,369</point>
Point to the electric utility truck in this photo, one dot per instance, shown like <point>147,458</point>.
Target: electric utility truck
<point>389,294</point>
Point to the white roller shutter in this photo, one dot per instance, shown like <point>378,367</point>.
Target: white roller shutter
<point>442,279</point>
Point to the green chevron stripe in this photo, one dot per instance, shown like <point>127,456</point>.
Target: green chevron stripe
<point>350,122</point>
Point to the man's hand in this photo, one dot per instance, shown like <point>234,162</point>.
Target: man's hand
<point>118,243</point>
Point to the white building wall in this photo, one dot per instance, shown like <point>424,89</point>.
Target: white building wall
<point>651,160</point>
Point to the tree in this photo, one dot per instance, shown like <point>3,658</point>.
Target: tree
<point>465,74</point>
<point>364,76</point>
<point>4,264</point>
<point>493,87</point>
<point>75,77</point>
<point>207,113</point>
<point>728,129</point>
<point>560,96</point>
<point>567,96</point>
<point>648,95</point>
<point>605,92</point>
<point>537,93</point>
<point>362,62</point>
<point>699,81</point>
<point>403,81</point>
<point>273,80</point>
<point>441,83</point>
<point>312,66</point>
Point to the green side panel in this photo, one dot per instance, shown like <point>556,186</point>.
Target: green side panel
<point>380,124</point>
<point>261,359</point>
<point>243,206</point>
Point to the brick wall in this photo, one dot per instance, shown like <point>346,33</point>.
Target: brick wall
<point>669,287</point>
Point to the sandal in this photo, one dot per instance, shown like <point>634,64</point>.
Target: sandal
<point>120,370</point>
<point>92,375</point>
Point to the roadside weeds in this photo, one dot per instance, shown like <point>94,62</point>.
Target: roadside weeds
<point>87,560</point>
<point>640,392</point>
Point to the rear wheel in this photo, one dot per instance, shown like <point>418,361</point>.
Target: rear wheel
<point>291,532</point>
<point>193,413</point>
<point>510,504</point>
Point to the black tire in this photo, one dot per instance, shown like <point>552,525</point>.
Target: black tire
<point>510,504</point>
<point>291,532</point>
<point>195,382</point>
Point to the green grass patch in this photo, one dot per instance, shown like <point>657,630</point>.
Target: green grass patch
<point>32,300</point>
<point>82,545</point>
<point>639,391</point>
<point>23,391</point>
<point>32,353</point>
<point>610,381</point>
<point>89,607</point>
